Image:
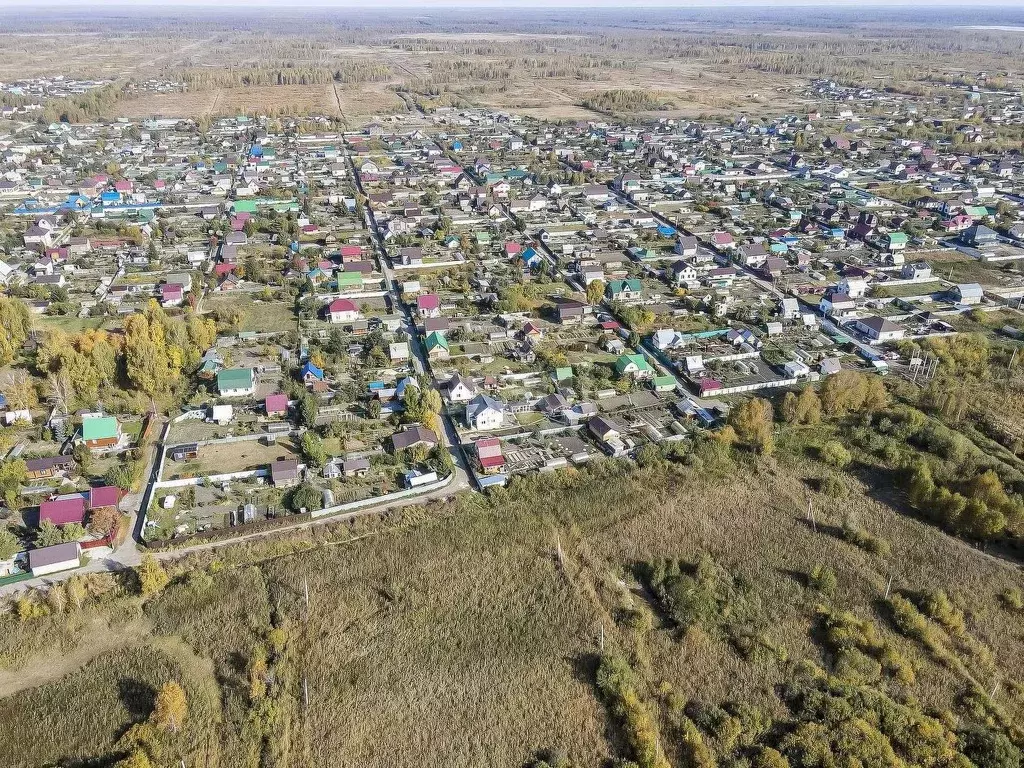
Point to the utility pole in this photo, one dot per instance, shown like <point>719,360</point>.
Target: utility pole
<point>888,587</point>
<point>810,516</point>
<point>558,549</point>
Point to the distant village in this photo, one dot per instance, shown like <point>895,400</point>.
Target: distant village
<point>445,300</point>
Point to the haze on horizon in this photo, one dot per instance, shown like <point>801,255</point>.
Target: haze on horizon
<point>440,5</point>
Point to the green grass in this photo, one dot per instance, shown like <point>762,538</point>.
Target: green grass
<point>70,324</point>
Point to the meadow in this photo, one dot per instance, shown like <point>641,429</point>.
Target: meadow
<point>473,632</point>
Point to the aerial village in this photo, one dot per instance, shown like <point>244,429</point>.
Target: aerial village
<point>438,302</point>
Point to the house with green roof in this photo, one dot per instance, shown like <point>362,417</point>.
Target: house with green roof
<point>624,290</point>
<point>236,382</point>
<point>437,346</point>
<point>635,366</point>
<point>563,373</point>
<point>895,241</point>
<point>100,432</point>
<point>663,383</point>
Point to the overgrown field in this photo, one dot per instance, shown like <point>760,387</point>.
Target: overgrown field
<point>687,612</point>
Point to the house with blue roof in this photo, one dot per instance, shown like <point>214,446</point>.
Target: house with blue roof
<point>310,372</point>
<point>530,258</point>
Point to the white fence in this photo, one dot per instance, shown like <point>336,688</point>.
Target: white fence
<point>184,482</point>
<point>373,501</point>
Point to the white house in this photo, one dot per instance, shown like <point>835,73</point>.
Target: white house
<point>795,369</point>
<point>236,382</point>
<point>837,305</point>
<point>853,287</point>
<point>59,557</point>
<point>398,351</point>
<point>222,414</point>
<point>789,308</point>
<point>485,413</point>
<point>880,329</point>
<point>917,271</point>
<point>968,293</point>
<point>460,390</point>
<point>343,311</point>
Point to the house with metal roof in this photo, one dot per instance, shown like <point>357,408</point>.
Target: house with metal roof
<point>236,382</point>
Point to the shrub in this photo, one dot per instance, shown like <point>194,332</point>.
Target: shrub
<point>835,454</point>
<point>1012,599</point>
<point>823,579</point>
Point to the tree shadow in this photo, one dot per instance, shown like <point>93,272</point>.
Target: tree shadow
<point>138,697</point>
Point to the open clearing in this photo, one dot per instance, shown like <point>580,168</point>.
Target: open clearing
<point>469,634</point>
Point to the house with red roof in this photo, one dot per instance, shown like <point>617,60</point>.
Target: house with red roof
<point>276,405</point>
<point>342,311</point>
<point>63,511</point>
<point>428,305</point>
<point>488,451</point>
<point>104,496</point>
<point>171,295</point>
<point>722,240</point>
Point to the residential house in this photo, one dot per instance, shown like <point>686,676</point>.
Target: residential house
<point>879,329</point>
<point>285,473</point>
<point>100,433</point>
<point>459,389</point>
<point>488,451</point>
<point>413,436</point>
<point>236,382</point>
<point>276,406</point>
<point>48,467</point>
<point>437,346</point>
<point>624,290</point>
<point>635,366</point>
<point>63,510</point>
<point>59,557</point>
<point>428,305</point>
<point>485,413</point>
<point>343,311</point>
<point>968,293</point>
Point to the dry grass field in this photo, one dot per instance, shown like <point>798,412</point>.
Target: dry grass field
<point>468,634</point>
<point>542,64</point>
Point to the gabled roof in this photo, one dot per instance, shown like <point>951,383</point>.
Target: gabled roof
<point>411,436</point>
<point>104,496</point>
<point>436,339</point>
<point>638,360</point>
<point>99,428</point>
<point>275,403</point>
<point>63,511</point>
<point>488,449</point>
<point>235,378</point>
<point>308,368</point>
